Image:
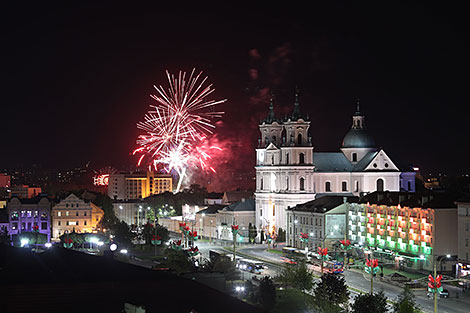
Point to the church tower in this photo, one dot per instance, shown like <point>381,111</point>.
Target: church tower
<point>284,168</point>
<point>357,142</point>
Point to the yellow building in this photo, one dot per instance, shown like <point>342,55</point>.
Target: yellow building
<point>125,186</point>
<point>74,214</point>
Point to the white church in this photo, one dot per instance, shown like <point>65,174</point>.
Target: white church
<point>289,172</point>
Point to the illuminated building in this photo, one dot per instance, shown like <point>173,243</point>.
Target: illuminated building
<point>412,229</point>
<point>25,191</point>
<point>124,186</point>
<point>4,180</point>
<point>323,219</point>
<point>206,221</point>
<point>75,214</point>
<point>241,213</point>
<point>132,212</point>
<point>463,209</point>
<point>25,213</point>
<point>289,172</point>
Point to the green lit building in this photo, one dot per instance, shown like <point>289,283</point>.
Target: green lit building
<point>412,230</point>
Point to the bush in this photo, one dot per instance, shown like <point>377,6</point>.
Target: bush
<point>267,293</point>
<point>368,302</point>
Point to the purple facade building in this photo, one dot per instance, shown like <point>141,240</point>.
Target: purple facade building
<point>24,214</point>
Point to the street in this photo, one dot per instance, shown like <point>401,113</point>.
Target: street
<point>354,278</point>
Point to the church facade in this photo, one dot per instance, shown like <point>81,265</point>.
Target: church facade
<point>289,172</point>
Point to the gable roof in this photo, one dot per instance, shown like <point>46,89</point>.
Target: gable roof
<point>323,204</point>
<point>234,196</point>
<point>331,162</point>
<point>212,209</point>
<point>244,205</point>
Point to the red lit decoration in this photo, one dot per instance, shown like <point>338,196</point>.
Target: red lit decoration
<point>323,252</point>
<point>36,228</point>
<point>193,235</point>
<point>345,244</point>
<point>176,244</point>
<point>156,240</point>
<point>434,285</point>
<point>304,237</point>
<point>372,266</point>
<point>68,243</point>
<point>193,251</point>
<point>235,229</point>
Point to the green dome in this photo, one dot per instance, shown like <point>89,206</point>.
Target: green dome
<point>358,138</point>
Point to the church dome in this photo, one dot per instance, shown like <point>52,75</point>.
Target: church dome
<point>358,138</point>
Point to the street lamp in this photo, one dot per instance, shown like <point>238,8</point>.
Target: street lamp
<point>24,241</point>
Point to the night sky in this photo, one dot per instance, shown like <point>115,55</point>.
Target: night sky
<point>76,80</point>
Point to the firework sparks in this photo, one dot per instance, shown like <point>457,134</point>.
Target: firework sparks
<point>177,126</point>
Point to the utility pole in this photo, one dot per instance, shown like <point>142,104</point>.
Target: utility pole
<point>155,223</point>
<point>435,293</point>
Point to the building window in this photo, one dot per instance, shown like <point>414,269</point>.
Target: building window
<point>466,226</point>
<point>302,183</point>
<point>287,158</point>
<point>274,210</point>
<point>14,225</point>
<point>299,139</point>
<point>380,184</point>
<point>301,158</point>
<point>261,183</point>
<point>84,223</point>
<point>261,212</point>
<point>66,213</point>
<point>354,157</point>
<point>409,185</point>
<point>327,186</point>
<point>344,186</point>
<point>287,182</point>
<point>76,213</point>
<point>466,241</point>
<point>357,186</point>
<point>84,213</point>
<point>44,225</point>
<point>59,213</point>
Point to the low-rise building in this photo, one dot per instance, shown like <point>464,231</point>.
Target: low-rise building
<point>240,213</point>
<point>73,214</point>
<point>323,219</point>
<point>24,214</point>
<point>206,221</point>
<point>132,212</point>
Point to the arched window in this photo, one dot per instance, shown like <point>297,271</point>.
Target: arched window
<point>327,186</point>
<point>354,157</point>
<point>274,139</point>
<point>272,159</point>
<point>344,186</point>
<point>287,158</point>
<point>299,139</point>
<point>357,186</point>
<point>380,184</point>
<point>287,182</point>
<point>301,158</point>
<point>261,183</point>
<point>302,183</point>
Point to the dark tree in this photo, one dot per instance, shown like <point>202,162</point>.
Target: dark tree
<point>368,302</point>
<point>281,235</point>
<point>122,234</point>
<point>406,302</point>
<point>297,276</point>
<point>149,231</point>
<point>178,260</point>
<point>267,293</point>
<point>331,294</point>
<point>226,266</point>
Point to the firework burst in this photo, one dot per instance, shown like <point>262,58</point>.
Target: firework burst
<point>177,125</point>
